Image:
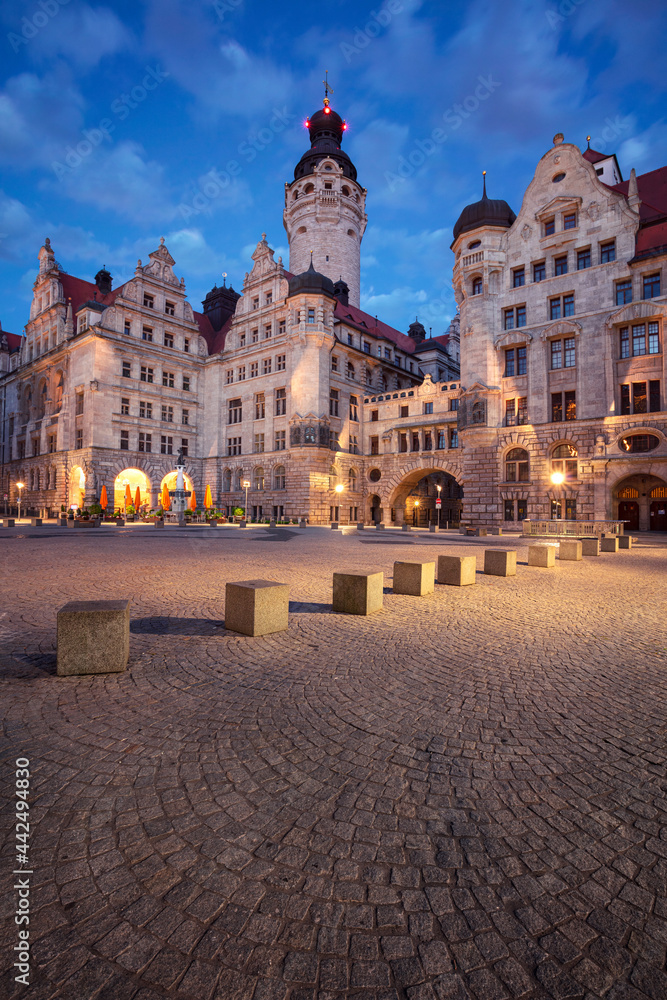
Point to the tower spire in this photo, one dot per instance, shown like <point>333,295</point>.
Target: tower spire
<point>484,184</point>
<point>328,89</point>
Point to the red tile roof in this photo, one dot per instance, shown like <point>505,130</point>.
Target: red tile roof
<point>652,190</point>
<point>593,156</point>
<point>14,340</point>
<point>214,341</point>
<point>80,291</point>
<point>376,328</point>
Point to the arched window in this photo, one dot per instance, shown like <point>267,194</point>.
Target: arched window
<point>352,476</point>
<point>259,478</point>
<point>227,481</point>
<point>349,370</point>
<point>309,188</point>
<point>346,190</point>
<point>477,286</point>
<point>564,460</point>
<point>517,466</point>
<point>239,479</point>
<point>279,477</point>
<point>333,477</point>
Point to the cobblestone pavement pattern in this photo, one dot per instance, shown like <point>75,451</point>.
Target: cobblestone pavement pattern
<point>460,796</point>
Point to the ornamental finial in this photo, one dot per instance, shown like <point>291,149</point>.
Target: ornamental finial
<point>328,89</point>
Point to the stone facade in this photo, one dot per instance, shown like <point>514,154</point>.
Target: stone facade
<point>558,374</point>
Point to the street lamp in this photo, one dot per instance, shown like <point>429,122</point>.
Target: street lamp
<point>246,486</point>
<point>19,487</point>
<point>557,478</point>
<point>416,513</point>
<point>338,488</point>
<point>439,503</point>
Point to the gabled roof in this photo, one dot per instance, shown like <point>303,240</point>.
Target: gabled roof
<point>593,156</point>
<point>652,190</point>
<point>366,323</point>
<point>80,291</point>
<point>14,340</point>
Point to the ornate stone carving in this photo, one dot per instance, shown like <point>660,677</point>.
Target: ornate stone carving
<point>527,232</point>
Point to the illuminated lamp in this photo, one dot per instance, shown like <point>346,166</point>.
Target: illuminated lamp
<point>327,111</point>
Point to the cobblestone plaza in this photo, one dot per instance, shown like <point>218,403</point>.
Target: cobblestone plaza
<point>462,795</point>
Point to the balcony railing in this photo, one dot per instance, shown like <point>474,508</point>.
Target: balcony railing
<point>575,529</point>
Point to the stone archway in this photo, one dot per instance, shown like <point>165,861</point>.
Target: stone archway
<point>412,494</point>
<point>639,500</point>
<point>76,487</point>
<point>133,478</point>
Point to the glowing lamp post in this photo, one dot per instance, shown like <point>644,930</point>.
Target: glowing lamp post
<point>439,503</point>
<point>20,486</point>
<point>557,479</point>
<point>416,514</point>
<point>246,486</point>
<point>338,489</point>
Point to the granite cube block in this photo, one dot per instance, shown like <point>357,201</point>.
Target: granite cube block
<point>457,571</point>
<point>542,555</point>
<point>358,593</point>
<point>93,637</point>
<point>625,541</point>
<point>570,550</point>
<point>256,607</point>
<point>609,544</point>
<point>590,546</point>
<point>414,578</point>
<point>499,562</point>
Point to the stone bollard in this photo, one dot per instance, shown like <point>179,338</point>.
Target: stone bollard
<point>457,571</point>
<point>570,550</point>
<point>358,593</point>
<point>481,532</point>
<point>496,531</point>
<point>406,527</point>
<point>9,522</point>
<point>334,525</point>
<point>256,607</point>
<point>213,522</point>
<point>498,562</point>
<point>36,522</point>
<point>303,523</point>
<point>609,543</point>
<point>590,546</point>
<point>159,522</point>
<point>433,528</point>
<point>542,555</point>
<point>414,578</point>
<point>272,523</point>
<point>360,526</point>
<point>93,637</point>
<point>243,524</point>
<point>379,527</point>
<point>625,541</point>
<point>62,522</point>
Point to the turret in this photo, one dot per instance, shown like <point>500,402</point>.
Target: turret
<point>325,207</point>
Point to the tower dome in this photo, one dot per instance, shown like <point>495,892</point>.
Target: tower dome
<point>485,212</point>
<point>326,129</point>
<point>311,281</point>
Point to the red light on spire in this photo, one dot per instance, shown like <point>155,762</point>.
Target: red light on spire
<point>306,124</point>
<point>344,126</point>
<point>327,111</point>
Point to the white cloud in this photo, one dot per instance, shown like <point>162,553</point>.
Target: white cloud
<point>82,35</point>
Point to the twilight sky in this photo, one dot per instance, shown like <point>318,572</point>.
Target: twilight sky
<point>125,122</point>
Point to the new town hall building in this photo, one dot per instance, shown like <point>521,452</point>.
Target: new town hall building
<point>294,388</point>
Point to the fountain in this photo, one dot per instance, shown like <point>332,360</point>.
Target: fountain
<point>179,496</point>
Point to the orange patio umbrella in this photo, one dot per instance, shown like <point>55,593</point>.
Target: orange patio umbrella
<point>166,499</point>
<point>103,498</point>
<point>193,501</point>
<point>208,499</point>
<point>137,499</point>
<point>128,496</point>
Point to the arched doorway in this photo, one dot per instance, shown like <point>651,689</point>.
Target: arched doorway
<point>170,481</point>
<point>640,501</point>
<point>376,509</point>
<point>77,486</point>
<point>133,478</point>
<point>415,500</point>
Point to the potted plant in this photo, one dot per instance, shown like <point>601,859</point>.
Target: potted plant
<point>129,512</point>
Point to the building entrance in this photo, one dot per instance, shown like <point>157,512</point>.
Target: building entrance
<point>628,512</point>
<point>658,514</point>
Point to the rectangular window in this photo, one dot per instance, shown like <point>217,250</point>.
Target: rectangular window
<point>147,334</point>
<point>168,379</point>
<point>639,397</point>
<point>127,327</point>
<point>521,510</point>
<point>453,404</point>
<point>510,412</point>
<point>79,404</point>
<point>521,361</point>
<point>569,353</point>
<point>333,403</point>
<point>230,376</point>
<point>267,331</point>
<point>560,265</point>
<point>654,396</point>
<point>280,363</point>
<point>125,406</point>
<point>539,271</point>
<point>367,347</point>
<point>520,316</point>
<point>234,446</point>
<point>625,400</point>
<point>650,286</point>
<point>52,442</point>
<point>186,345</point>
<point>568,304</point>
<point>375,416</point>
<point>148,301</point>
<point>259,444</point>
<point>146,374</point>
<point>349,339</point>
<point>428,407</point>
<point>282,326</point>
<point>387,353</point>
<point>311,315</point>
<point>623,292</point>
<point>124,440</point>
<point>145,441</point>
<point>583,259</point>
<point>168,340</point>
<point>509,510</point>
<point>549,227</point>
<point>186,383</point>
<point>638,340</point>
<point>653,339</point>
<point>255,303</point>
<point>571,405</point>
<point>145,409</point>
<point>608,252</point>
<point>169,308</point>
<point>126,373</point>
<point>415,441</point>
<point>79,442</point>
<point>509,319</point>
<point>403,442</point>
<point>266,366</point>
<point>354,408</point>
<point>510,367</point>
<point>624,335</point>
<point>168,414</point>
<point>453,439</point>
<point>240,373</point>
<point>260,407</point>
<point>234,411</point>
<point>404,411</point>
<point>518,277</point>
<point>442,440</point>
<point>570,220</point>
<point>254,337</point>
<point>268,298</point>
<point>522,410</point>
<point>280,440</point>
<point>166,445</point>
<point>354,444</point>
<point>334,363</point>
<point>554,309</point>
<point>185,416</point>
<point>242,340</point>
<point>254,369</point>
<point>556,407</point>
<point>375,446</point>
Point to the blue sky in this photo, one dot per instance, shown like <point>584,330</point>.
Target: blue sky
<point>125,122</point>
